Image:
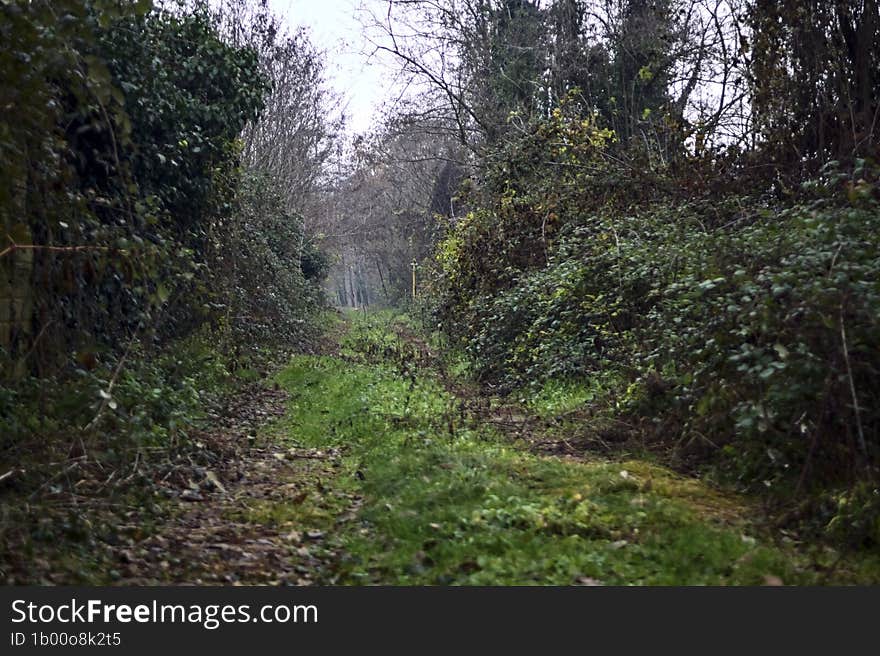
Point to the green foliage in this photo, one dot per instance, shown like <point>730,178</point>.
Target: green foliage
<point>126,186</point>
<point>530,185</point>
<point>265,292</point>
<point>129,226</point>
<point>739,333</point>
<point>86,452</point>
<point>314,263</point>
<point>774,332</point>
<point>558,396</point>
<point>114,411</point>
<point>123,170</point>
<point>188,94</point>
<point>69,182</point>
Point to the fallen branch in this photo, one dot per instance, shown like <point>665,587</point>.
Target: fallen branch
<point>56,249</point>
<point>852,387</point>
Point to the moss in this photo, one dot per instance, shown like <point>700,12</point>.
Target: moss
<point>464,506</point>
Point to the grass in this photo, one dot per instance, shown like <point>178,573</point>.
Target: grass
<point>556,397</point>
<point>450,502</point>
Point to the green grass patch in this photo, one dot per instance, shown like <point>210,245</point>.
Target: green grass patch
<point>447,503</point>
<point>556,397</point>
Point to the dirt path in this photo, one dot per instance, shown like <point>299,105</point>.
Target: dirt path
<point>228,524</point>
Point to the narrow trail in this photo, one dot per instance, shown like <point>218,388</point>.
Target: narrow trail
<point>373,464</point>
<point>230,524</point>
<point>210,535</point>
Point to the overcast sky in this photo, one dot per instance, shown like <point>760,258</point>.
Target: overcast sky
<point>335,28</point>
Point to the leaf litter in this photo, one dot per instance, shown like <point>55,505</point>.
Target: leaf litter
<point>240,527</point>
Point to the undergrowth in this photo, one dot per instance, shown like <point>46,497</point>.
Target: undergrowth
<point>453,502</point>
<point>736,334</point>
<point>82,452</point>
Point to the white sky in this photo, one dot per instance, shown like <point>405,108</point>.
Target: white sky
<point>335,28</point>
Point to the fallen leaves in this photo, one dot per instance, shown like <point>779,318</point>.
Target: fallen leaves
<point>217,536</point>
<point>191,495</point>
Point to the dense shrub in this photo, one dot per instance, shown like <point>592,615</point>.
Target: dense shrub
<point>772,339</point>
<point>134,231</point>
<point>743,331</point>
<point>262,267</point>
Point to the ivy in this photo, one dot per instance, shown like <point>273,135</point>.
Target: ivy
<point>738,334</point>
<point>130,228</point>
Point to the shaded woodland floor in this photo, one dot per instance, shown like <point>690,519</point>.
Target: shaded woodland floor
<point>373,463</point>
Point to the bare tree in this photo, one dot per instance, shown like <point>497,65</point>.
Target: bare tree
<point>662,72</point>
<point>383,212</point>
<point>295,136</point>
